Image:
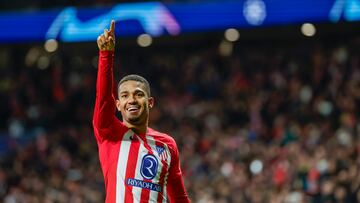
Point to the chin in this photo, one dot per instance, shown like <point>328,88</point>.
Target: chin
<point>134,120</point>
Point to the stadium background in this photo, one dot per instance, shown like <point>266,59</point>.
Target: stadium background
<point>263,114</point>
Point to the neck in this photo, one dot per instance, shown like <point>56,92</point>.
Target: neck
<point>138,129</point>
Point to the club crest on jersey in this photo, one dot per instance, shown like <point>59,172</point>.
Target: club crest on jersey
<point>161,152</point>
<point>149,166</point>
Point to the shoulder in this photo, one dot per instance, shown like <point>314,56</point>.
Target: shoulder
<point>163,138</point>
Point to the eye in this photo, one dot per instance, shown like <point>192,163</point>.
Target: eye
<point>124,96</point>
<point>140,94</point>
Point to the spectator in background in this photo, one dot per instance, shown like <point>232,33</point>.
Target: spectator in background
<point>290,112</point>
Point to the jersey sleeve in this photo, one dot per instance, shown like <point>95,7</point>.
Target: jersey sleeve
<point>104,120</point>
<point>175,186</point>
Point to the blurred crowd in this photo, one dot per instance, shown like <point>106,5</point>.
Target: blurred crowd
<point>263,124</point>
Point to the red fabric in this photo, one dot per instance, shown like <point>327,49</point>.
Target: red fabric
<point>111,135</point>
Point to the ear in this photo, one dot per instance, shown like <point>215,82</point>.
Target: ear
<point>117,103</point>
<point>151,102</point>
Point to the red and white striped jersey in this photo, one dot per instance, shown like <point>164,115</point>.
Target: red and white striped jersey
<point>136,167</point>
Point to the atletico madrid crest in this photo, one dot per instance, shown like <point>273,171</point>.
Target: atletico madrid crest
<point>162,153</point>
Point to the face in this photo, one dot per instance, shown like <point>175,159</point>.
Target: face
<point>134,103</point>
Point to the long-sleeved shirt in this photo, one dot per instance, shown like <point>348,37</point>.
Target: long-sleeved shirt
<point>136,167</point>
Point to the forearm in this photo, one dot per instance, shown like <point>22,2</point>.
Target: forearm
<point>104,103</point>
<point>177,192</point>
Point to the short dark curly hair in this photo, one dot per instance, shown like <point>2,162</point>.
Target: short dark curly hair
<point>138,78</point>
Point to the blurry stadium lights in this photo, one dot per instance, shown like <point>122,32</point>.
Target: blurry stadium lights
<point>43,62</point>
<point>254,11</point>
<point>225,48</point>
<point>325,108</point>
<point>308,29</point>
<point>32,56</point>
<point>256,166</point>
<point>232,35</point>
<point>305,94</point>
<point>144,40</point>
<point>51,45</point>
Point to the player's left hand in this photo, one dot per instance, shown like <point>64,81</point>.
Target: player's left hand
<point>106,41</point>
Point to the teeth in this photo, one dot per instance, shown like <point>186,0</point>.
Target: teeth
<point>132,108</point>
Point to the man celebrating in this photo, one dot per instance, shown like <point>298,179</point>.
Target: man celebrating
<point>139,164</point>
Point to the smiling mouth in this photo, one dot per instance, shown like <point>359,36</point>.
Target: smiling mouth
<point>133,109</point>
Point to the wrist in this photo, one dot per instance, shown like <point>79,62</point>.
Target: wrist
<point>106,53</point>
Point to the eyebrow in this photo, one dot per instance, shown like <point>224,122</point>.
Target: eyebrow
<point>122,92</point>
<point>136,91</point>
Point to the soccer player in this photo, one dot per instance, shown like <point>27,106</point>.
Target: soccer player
<point>139,164</point>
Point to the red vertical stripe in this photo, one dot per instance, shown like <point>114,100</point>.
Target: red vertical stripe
<point>163,173</point>
<point>110,153</point>
<point>130,168</point>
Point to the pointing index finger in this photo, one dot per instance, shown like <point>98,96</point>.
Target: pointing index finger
<point>112,27</point>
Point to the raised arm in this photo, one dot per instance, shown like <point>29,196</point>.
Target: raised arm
<point>104,112</point>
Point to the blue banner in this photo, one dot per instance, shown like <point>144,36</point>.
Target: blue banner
<point>73,25</point>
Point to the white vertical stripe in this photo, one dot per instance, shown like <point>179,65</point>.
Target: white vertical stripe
<point>121,167</point>
<point>137,190</point>
<point>154,194</point>
<point>167,172</point>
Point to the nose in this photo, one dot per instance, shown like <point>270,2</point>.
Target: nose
<point>132,99</point>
